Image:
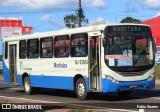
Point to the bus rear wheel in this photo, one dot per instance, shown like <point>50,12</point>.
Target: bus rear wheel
<point>80,89</point>
<point>27,86</point>
<point>124,93</point>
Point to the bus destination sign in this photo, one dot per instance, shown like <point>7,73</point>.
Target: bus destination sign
<point>127,28</point>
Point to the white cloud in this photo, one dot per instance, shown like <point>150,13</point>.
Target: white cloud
<point>99,21</point>
<point>151,4</point>
<point>50,4</point>
<point>50,19</point>
<point>98,3</point>
<point>12,18</point>
<point>158,14</point>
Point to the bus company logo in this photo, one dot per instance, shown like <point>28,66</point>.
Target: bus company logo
<point>24,68</point>
<point>60,65</point>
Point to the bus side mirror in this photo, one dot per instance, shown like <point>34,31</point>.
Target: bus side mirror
<point>154,45</point>
<point>104,42</point>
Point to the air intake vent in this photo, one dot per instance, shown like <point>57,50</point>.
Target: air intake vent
<point>133,73</point>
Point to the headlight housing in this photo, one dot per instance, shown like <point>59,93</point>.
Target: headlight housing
<point>151,76</point>
<point>111,78</point>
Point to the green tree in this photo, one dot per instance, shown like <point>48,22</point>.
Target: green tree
<point>130,20</point>
<point>71,20</point>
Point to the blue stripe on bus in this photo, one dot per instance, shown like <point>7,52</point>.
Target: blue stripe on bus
<point>6,73</point>
<point>109,86</point>
<point>57,82</point>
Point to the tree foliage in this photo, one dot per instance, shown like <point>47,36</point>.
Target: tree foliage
<point>130,20</point>
<point>71,20</point>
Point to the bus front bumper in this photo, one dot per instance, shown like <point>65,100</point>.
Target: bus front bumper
<point>109,86</point>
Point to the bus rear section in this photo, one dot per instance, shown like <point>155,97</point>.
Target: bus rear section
<point>128,59</point>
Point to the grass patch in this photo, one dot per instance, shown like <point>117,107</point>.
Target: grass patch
<point>80,110</point>
<point>158,71</point>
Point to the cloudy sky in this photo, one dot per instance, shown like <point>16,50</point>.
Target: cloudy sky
<point>47,15</point>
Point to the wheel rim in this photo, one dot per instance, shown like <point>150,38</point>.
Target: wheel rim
<point>27,85</point>
<point>81,89</point>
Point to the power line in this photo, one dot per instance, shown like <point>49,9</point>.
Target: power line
<point>6,13</point>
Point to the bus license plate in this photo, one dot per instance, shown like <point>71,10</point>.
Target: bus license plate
<point>133,86</point>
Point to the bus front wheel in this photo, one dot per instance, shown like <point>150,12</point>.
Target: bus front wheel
<point>81,91</point>
<point>27,86</point>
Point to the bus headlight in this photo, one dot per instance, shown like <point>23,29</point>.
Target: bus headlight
<point>111,79</point>
<point>151,76</point>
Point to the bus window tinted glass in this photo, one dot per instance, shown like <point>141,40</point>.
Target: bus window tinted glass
<point>47,47</point>
<point>79,45</point>
<point>22,49</point>
<point>33,48</point>
<point>61,46</point>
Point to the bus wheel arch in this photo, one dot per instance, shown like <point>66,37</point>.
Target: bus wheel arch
<point>28,89</point>
<point>80,87</point>
<point>23,76</point>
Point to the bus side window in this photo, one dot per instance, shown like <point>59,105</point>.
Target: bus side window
<point>22,49</point>
<point>46,47</point>
<point>33,48</point>
<point>61,46</point>
<point>6,50</point>
<point>79,46</point>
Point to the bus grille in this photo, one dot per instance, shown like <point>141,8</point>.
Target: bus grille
<point>133,73</point>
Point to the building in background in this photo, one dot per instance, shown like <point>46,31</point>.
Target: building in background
<point>154,23</point>
<point>10,28</point>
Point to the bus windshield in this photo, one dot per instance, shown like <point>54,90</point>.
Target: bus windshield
<point>131,51</point>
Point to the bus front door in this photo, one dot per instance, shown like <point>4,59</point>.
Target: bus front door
<point>12,64</point>
<point>94,64</point>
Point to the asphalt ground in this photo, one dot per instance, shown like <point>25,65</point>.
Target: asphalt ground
<point>60,100</point>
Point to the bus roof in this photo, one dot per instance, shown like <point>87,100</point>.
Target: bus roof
<point>65,31</point>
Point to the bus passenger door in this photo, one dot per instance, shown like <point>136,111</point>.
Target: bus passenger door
<point>94,64</point>
<point>12,64</point>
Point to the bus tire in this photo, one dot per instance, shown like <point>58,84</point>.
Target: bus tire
<point>80,89</point>
<point>124,93</point>
<point>27,86</point>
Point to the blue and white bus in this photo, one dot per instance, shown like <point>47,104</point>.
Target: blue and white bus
<point>102,58</point>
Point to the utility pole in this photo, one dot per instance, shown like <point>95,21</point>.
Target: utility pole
<point>79,13</point>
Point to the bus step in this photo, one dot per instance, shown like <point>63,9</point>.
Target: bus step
<point>14,84</point>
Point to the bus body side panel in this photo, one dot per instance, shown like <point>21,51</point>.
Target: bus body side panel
<point>55,73</point>
<point>5,68</point>
<point>6,73</point>
<point>55,82</point>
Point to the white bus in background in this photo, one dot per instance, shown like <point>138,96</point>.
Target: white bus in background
<point>103,58</point>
